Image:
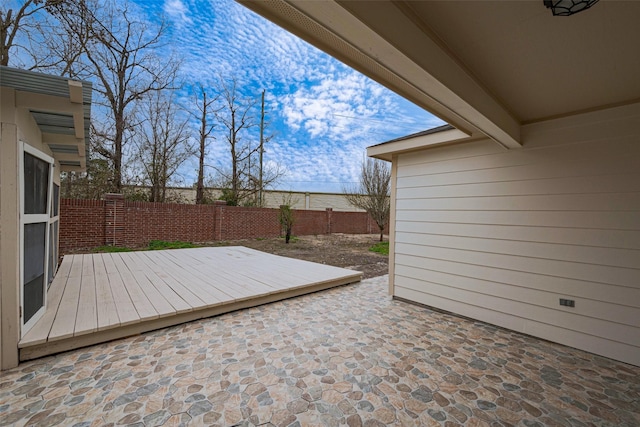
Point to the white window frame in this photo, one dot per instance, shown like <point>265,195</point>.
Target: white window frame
<point>53,220</point>
<point>31,219</point>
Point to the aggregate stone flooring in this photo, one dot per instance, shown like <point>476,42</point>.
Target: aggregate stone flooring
<point>348,356</point>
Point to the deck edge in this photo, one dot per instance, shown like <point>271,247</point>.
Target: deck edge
<point>74,342</point>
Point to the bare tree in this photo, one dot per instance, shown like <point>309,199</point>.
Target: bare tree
<point>237,120</point>
<point>12,22</point>
<point>242,184</point>
<point>372,192</point>
<point>38,40</point>
<point>163,145</point>
<point>120,51</point>
<point>260,198</point>
<point>55,49</point>
<point>205,104</point>
<point>270,173</point>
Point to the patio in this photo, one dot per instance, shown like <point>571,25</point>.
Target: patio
<point>345,356</point>
<point>96,298</point>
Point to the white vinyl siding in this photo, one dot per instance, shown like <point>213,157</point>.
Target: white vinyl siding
<point>501,235</point>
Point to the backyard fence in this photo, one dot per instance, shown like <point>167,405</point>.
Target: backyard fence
<point>114,221</point>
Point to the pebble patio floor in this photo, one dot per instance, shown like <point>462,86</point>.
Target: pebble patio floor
<point>347,356</point>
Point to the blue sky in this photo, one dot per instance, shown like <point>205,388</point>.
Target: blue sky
<point>322,113</point>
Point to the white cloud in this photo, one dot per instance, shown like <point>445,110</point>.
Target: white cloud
<point>177,11</point>
<point>323,113</point>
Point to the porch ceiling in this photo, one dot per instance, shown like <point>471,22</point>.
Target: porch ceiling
<point>486,67</point>
<point>60,107</point>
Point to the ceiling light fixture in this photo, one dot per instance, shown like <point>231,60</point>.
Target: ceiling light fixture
<point>568,7</point>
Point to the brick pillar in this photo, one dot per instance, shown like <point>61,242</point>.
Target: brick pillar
<point>218,218</point>
<point>114,219</point>
<point>329,214</point>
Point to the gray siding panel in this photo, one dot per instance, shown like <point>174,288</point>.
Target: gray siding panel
<point>501,236</point>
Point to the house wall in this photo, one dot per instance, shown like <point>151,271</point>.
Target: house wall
<point>16,124</point>
<point>9,273</point>
<point>501,235</point>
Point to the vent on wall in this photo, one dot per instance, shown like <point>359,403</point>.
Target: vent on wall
<point>567,302</point>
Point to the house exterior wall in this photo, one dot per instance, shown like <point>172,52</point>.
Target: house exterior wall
<point>16,125</point>
<point>9,232</point>
<point>502,235</point>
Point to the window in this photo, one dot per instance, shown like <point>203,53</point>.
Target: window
<point>35,218</point>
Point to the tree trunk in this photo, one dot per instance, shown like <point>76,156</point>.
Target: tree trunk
<point>117,151</point>
<point>203,141</point>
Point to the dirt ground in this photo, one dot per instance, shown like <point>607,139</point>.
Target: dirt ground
<point>340,250</point>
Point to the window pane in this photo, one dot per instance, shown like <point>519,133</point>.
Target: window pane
<point>34,249</point>
<point>55,200</point>
<point>36,185</point>
<point>53,251</point>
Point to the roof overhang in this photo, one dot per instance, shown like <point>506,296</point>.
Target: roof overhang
<point>60,107</point>
<point>446,134</point>
<point>489,68</point>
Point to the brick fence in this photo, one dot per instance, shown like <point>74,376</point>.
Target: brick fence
<point>86,224</point>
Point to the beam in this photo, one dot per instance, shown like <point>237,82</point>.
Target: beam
<point>61,157</point>
<point>78,124</point>
<point>58,138</point>
<point>81,168</point>
<point>47,103</point>
<point>75,91</point>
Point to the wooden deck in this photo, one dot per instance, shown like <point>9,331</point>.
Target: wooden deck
<point>96,298</point>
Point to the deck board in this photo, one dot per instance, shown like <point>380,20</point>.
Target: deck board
<point>65,318</point>
<point>87,315</point>
<point>107,310</point>
<point>100,297</point>
<point>188,295</point>
<point>141,302</point>
<point>207,289</point>
<point>125,308</point>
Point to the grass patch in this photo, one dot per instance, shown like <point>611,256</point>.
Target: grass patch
<point>111,249</point>
<point>156,245</point>
<point>381,248</point>
<point>292,239</point>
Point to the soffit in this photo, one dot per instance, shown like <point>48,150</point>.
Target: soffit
<point>538,65</point>
<point>488,66</point>
<point>67,136</point>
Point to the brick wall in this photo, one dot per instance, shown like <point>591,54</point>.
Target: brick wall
<point>235,222</point>
<point>82,224</point>
<point>169,222</point>
<point>86,224</point>
<point>351,223</point>
<point>307,223</point>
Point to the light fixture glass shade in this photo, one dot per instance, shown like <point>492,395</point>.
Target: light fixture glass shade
<point>568,7</point>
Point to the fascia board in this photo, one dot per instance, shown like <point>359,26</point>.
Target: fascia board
<point>386,151</point>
